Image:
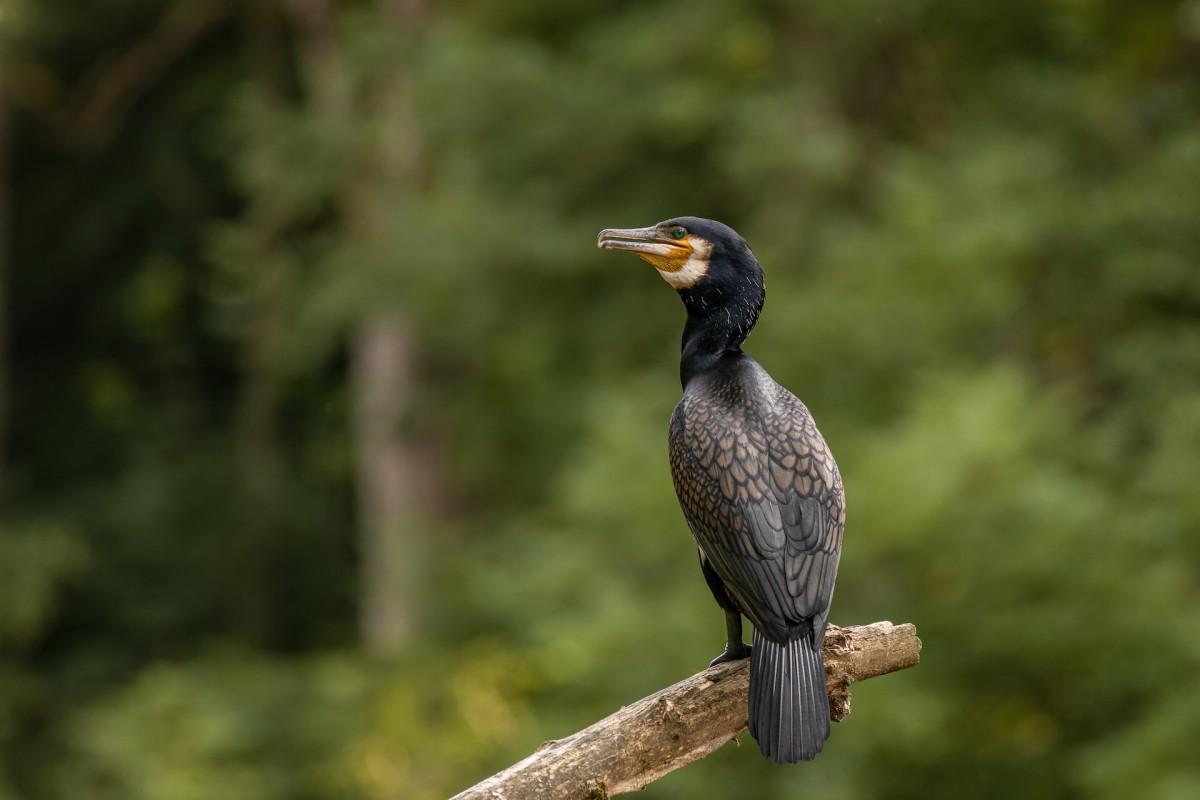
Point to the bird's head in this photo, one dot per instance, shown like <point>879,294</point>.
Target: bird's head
<point>689,252</point>
<point>716,275</point>
<point>706,261</point>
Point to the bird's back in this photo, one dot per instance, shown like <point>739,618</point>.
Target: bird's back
<point>761,493</point>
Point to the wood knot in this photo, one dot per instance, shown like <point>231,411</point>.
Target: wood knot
<point>668,711</point>
<point>837,639</point>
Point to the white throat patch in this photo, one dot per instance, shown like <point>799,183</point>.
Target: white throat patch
<point>695,268</point>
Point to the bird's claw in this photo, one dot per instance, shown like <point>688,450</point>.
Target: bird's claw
<point>732,654</point>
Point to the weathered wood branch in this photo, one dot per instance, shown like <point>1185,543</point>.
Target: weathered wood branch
<point>671,728</point>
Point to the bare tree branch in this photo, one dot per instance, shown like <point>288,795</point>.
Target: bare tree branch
<point>111,89</point>
<point>658,734</point>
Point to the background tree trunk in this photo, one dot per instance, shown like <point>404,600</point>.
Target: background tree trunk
<point>394,479</point>
<point>390,484</point>
<point>262,276</point>
<point>3,274</point>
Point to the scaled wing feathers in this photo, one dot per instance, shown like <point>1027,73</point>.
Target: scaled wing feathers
<point>763,498</point>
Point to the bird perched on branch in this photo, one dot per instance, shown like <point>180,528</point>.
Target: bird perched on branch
<point>756,481</point>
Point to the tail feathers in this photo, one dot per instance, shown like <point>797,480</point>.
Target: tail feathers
<point>789,709</point>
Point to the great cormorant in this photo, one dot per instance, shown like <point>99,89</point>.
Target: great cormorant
<point>756,481</point>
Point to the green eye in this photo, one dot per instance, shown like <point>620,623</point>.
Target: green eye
<point>678,233</point>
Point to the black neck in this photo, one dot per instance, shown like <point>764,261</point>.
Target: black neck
<point>717,324</point>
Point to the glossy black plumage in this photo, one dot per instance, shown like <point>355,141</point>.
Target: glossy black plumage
<point>755,479</point>
<point>763,498</point>
<point>757,483</point>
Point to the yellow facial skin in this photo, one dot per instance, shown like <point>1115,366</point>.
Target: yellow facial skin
<point>668,257</point>
<point>681,262</point>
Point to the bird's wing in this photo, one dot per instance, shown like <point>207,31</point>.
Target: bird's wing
<point>764,500</point>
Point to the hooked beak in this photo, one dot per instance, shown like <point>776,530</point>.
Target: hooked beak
<point>654,245</point>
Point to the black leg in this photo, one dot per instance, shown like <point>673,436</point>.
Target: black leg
<point>734,648</point>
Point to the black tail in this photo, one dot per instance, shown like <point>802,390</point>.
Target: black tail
<point>789,710</point>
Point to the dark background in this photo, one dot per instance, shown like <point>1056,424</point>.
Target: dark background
<point>334,453</point>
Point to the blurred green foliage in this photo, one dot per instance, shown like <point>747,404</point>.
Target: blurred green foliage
<point>980,228</point>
